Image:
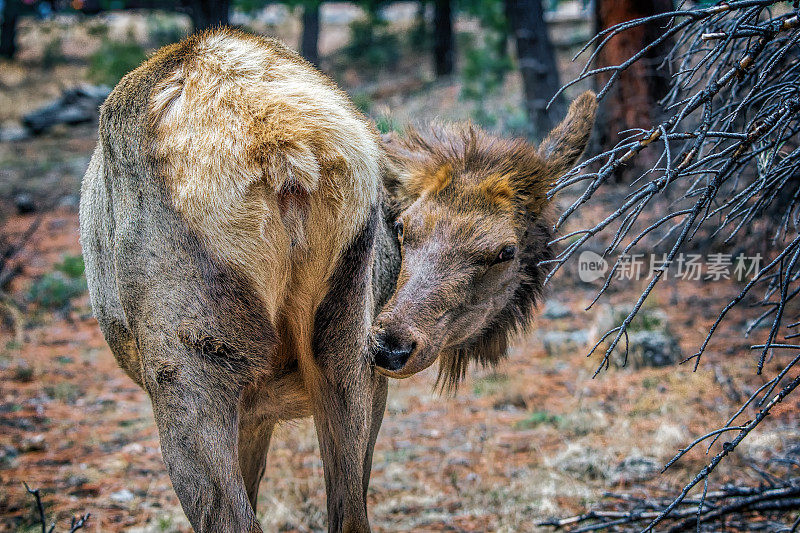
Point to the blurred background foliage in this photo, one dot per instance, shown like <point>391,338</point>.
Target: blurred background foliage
<point>480,50</point>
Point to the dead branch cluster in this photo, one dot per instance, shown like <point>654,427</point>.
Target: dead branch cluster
<point>76,523</point>
<point>727,159</point>
<point>732,507</point>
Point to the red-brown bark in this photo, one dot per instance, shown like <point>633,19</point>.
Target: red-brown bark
<point>633,102</point>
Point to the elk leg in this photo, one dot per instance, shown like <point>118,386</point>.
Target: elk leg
<point>198,425</point>
<point>281,397</point>
<point>342,418</point>
<point>378,407</point>
<point>341,381</point>
<point>254,437</point>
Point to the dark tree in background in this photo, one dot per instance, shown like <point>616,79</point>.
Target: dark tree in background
<point>309,42</point>
<point>207,14</point>
<point>633,101</point>
<point>8,29</point>
<point>537,64</point>
<point>204,14</point>
<point>443,40</point>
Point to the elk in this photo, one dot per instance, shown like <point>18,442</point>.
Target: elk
<point>238,228</point>
<point>471,216</point>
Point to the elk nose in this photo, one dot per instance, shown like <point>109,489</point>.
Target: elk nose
<point>392,353</point>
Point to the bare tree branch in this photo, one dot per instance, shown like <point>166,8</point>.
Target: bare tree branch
<point>727,159</point>
<point>75,523</point>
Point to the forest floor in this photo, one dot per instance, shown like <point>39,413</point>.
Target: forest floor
<point>534,438</point>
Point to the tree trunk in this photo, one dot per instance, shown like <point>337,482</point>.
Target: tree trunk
<point>309,45</point>
<point>207,14</point>
<point>537,64</point>
<point>633,101</point>
<point>8,29</point>
<point>443,44</point>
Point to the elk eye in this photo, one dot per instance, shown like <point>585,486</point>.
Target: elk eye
<point>506,254</point>
<point>399,227</point>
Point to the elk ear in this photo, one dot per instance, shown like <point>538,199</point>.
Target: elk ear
<point>564,145</point>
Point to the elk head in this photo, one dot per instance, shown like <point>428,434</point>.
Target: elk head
<point>471,219</point>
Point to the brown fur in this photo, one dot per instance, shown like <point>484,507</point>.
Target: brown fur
<point>451,301</point>
<point>229,220</point>
<point>238,246</point>
<point>257,147</point>
<point>497,189</point>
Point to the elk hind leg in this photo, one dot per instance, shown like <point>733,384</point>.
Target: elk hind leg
<point>198,424</point>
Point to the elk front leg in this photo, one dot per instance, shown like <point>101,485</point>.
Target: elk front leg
<point>342,417</point>
<point>381,388</point>
<point>198,424</point>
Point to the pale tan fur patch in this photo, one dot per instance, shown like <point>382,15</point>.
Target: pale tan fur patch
<point>497,190</point>
<point>268,161</point>
<point>422,181</point>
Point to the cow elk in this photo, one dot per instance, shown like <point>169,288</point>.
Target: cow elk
<point>240,241</point>
<point>471,214</point>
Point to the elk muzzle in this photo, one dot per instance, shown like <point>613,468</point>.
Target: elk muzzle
<point>399,349</point>
<point>392,352</point>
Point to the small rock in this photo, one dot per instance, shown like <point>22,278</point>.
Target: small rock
<point>507,403</point>
<point>77,481</point>
<point>122,496</point>
<point>97,93</point>
<point>560,342</point>
<point>553,310</point>
<point>635,468</point>
<point>74,106</point>
<point>33,444</point>
<point>7,454</point>
<point>69,201</point>
<point>14,132</point>
<point>133,448</point>
<point>24,203</point>
<point>650,340</point>
<point>647,349</point>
